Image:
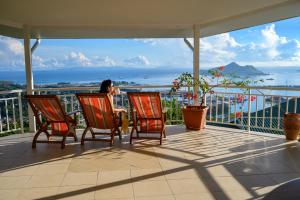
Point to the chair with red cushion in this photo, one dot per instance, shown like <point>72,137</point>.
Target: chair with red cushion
<point>147,114</point>
<point>98,114</point>
<point>49,108</point>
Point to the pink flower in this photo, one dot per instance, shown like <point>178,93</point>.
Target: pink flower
<point>240,98</point>
<point>221,68</point>
<point>252,98</point>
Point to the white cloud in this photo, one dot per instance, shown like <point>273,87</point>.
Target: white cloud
<point>137,61</point>
<point>218,50</point>
<point>11,53</point>
<point>104,61</point>
<point>78,59</point>
<point>272,41</point>
<point>298,43</point>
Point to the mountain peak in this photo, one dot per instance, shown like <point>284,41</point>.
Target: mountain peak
<point>236,69</point>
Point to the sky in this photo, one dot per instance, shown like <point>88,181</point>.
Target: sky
<point>270,45</point>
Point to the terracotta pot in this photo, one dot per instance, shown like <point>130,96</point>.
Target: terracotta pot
<point>291,125</point>
<point>194,117</point>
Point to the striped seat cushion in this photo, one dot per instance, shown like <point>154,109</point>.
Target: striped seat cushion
<point>49,108</point>
<point>150,125</point>
<point>147,106</point>
<point>98,111</point>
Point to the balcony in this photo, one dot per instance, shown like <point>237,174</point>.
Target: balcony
<point>230,162</point>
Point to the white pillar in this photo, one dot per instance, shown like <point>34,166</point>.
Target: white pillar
<point>196,59</point>
<point>29,77</point>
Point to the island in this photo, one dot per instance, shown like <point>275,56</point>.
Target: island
<point>235,69</point>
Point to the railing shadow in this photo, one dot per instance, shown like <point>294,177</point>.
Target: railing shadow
<point>200,165</point>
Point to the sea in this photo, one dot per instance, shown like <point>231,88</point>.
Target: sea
<point>279,76</point>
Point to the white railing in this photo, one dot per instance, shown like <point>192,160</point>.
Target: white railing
<point>229,106</point>
<point>11,111</point>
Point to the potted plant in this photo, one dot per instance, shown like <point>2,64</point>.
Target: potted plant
<point>291,125</point>
<point>195,115</point>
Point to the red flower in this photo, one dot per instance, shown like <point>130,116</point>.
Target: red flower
<point>195,96</point>
<point>221,68</point>
<point>238,114</point>
<point>240,98</point>
<point>252,98</point>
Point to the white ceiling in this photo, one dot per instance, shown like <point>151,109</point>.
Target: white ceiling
<point>138,18</point>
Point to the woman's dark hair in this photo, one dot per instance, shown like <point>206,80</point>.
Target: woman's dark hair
<point>105,85</point>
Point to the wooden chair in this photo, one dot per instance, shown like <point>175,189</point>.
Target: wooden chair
<point>49,107</point>
<point>147,113</point>
<point>98,113</point>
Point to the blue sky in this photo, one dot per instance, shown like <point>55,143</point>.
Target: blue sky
<point>270,45</point>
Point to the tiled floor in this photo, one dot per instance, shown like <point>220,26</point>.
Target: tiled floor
<point>217,163</point>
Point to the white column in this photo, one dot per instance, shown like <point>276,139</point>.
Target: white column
<point>29,77</point>
<point>196,59</point>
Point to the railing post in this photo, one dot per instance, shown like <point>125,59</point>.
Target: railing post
<point>196,62</point>
<point>29,76</point>
<point>249,111</point>
<point>20,111</point>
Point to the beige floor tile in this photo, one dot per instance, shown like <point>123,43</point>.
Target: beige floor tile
<point>113,176</point>
<point>83,178</point>
<point>236,195</point>
<point>45,181</point>
<point>21,171</point>
<point>9,194</point>
<point>35,193</point>
<point>151,188</point>
<point>195,196</point>
<point>147,174</point>
<point>113,191</point>
<point>281,178</point>
<point>14,182</point>
<point>164,197</point>
<point>82,192</point>
<point>186,186</point>
<point>52,169</point>
<point>81,165</point>
<point>228,184</point>
<point>183,174</point>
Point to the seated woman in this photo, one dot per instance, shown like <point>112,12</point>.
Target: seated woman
<point>107,87</point>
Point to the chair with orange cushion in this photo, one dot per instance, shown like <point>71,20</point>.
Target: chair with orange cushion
<point>49,108</point>
<point>147,114</point>
<point>98,114</point>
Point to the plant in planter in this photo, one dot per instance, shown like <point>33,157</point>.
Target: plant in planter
<point>195,116</point>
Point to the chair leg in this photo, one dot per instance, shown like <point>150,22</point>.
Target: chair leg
<point>63,142</point>
<point>119,133</point>
<point>35,138</point>
<point>165,133</point>
<point>73,132</point>
<point>83,135</point>
<point>112,137</point>
<point>48,135</point>
<point>161,135</point>
<point>93,133</point>
<point>131,134</point>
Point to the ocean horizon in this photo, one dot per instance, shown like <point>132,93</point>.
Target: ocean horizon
<point>151,76</point>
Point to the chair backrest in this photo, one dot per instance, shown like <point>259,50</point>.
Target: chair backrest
<point>48,105</point>
<point>97,110</point>
<point>146,104</point>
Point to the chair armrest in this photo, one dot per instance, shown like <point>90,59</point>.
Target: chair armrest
<point>165,110</point>
<point>74,112</point>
